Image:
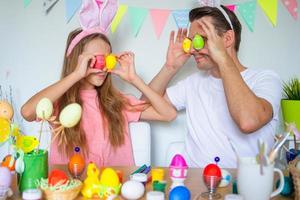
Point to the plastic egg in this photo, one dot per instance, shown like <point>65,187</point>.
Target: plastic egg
<point>186,45</point>
<point>5,177</point>
<point>132,190</point>
<point>9,162</point>
<point>109,177</point>
<point>57,177</point>
<point>70,115</point>
<point>4,129</point>
<point>110,61</point>
<point>226,178</point>
<point>180,193</point>
<point>198,42</point>
<point>100,62</point>
<point>6,110</point>
<point>212,170</point>
<point>44,109</point>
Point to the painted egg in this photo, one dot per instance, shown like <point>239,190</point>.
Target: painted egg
<point>44,109</point>
<point>76,163</point>
<point>186,45</point>
<point>198,42</point>
<point>6,110</point>
<point>100,62</point>
<point>70,115</point>
<point>226,178</point>
<point>4,129</point>
<point>110,61</point>
<point>5,177</point>
<point>57,177</point>
<point>212,170</point>
<point>9,162</point>
<point>132,190</point>
<point>180,193</point>
<point>109,177</point>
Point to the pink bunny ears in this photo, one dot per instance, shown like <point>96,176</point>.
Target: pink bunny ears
<point>95,16</point>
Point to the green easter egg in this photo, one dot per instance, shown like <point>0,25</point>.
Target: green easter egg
<point>198,42</point>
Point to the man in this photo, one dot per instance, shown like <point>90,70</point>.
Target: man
<point>228,106</point>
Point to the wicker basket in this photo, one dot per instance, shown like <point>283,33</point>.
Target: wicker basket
<point>62,195</point>
<point>296,176</point>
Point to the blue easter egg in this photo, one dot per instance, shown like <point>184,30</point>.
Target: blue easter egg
<point>291,154</point>
<point>288,187</point>
<point>180,193</point>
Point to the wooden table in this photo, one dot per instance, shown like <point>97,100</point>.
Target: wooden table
<point>193,182</point>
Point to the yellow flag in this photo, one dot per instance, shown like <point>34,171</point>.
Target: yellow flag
<point>122,9</point>
<point>270,9</point>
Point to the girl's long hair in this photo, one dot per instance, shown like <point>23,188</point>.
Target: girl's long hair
<point>111,102</point>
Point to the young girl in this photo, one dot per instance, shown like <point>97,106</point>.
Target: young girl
<point>103,130</point>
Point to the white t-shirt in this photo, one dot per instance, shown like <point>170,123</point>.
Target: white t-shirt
<point>209,123</point>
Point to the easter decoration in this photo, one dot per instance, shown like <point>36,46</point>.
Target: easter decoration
<point>5,183</point>
<point>197,43</point>
<point>226,178</point>
<point>109,62</point>
<point>59,186</point>
<point>76,164</point>
<point>132,190</point>
<point>107,187</point>
<point>29,152</point>
<point>180,193</point>
<point>178,171</point>
<point>212,175</point>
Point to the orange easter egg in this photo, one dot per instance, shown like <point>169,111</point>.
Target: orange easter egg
<point>6,162</point>
<point>57,177</point>
<point>76,163</point>
<point>6,110</point>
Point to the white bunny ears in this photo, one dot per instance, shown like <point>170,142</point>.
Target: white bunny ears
<point>217,4</point>
<point>95,17</point>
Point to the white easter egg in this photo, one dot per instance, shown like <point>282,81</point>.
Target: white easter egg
<point>132,190</point>
<point>44,109</point>
<point>5,177</point>
<point>70,115</point>
<point>226,178</point>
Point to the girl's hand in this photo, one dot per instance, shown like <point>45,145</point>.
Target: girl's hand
<point>176,57</point>
<point>215,44</point>
<point>85,65</point>
<point>126,70</point>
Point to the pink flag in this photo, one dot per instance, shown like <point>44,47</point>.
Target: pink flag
<point>231,7</point>
<point>159,19</point>
<point>292,7</point>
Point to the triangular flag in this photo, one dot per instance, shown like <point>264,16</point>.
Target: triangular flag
<point>137,17</point>
<point>270,9</point>
<point>292,7</point>
<point>247,11</point>
<point>26,3</point>
<point>159,18</point>
<point>71,7</point>
<point>48,5</point>
<point>231,7</point>
<point>181,18</point>
<point>122,9</point>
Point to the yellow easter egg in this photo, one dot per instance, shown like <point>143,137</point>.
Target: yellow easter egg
<point>110,61</point>
<point>109,177</point>
<point>70,115</point>
<point>44,109</point>
<point>186,45</point>
<point>6,110</point>
<point>4,129</point>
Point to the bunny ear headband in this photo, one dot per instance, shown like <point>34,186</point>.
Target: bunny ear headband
<point>217,4</point>
<point>95,16</point>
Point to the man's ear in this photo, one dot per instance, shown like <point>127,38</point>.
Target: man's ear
<point>229,38</point>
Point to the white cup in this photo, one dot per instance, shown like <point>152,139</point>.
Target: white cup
<point>254,186</point>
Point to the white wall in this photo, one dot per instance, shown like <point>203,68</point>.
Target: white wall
<point>32,47</point>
